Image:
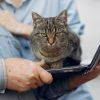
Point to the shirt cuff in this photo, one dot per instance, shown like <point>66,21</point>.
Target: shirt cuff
<point>2,76</point>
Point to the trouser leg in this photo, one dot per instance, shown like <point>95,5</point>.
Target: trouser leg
<point>80,93</point>
<point>12,95</point>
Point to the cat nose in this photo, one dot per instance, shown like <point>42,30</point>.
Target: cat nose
<point>51,41</point>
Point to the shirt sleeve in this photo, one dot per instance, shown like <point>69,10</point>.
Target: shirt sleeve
<point>74,21</point>
<point>2,76</point>
<point>4,32</point>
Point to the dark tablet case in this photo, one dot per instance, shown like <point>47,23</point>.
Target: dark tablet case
<point>80,69</point>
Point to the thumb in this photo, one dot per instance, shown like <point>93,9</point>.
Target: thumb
<point>41,63</point>
<point>45,76</point>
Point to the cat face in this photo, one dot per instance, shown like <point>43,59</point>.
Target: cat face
<point>50,37</point>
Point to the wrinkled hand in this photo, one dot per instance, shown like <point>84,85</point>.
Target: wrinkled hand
<point>7,20</point>
<point>23,75</point>
<point>78,80</point>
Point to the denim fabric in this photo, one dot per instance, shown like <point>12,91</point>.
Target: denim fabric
<point>12,95</point>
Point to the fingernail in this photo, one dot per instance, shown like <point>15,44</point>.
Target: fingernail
<point>50,78</point>
<point>42,62</point>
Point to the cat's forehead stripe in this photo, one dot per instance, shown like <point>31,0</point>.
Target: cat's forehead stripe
<point>50,20</point>
<point>50,24</point>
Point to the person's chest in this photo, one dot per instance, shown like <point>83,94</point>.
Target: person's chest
<point>46,8</point>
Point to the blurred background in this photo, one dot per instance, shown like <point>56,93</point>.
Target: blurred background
<point>89,11</point>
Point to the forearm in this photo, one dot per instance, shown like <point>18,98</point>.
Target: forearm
<point>19,29</point>
<point>22,29</point>
<point>9,22</point>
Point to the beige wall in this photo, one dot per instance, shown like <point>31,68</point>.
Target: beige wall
<point>89,11</point>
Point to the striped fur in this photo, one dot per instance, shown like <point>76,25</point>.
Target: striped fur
<point>52,40</point>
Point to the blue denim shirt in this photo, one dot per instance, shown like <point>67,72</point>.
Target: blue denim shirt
<point>46,8</point>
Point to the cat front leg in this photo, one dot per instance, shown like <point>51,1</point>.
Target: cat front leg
<point>58,64</point>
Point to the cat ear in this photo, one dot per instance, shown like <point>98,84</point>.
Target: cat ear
<point>63,15</point>
<point>35,16</point>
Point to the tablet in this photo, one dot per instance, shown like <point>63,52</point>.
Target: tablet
<point>76,70</point>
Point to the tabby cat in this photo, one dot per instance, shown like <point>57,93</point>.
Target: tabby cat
<point>53,41</point>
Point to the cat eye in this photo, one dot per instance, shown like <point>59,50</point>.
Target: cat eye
<point>44,34</point>
<point>59,33</point>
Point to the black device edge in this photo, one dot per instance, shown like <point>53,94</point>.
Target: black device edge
<point>76,70</point>
<point>95,59</point>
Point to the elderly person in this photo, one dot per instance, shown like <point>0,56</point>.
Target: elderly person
<point>20,75</point>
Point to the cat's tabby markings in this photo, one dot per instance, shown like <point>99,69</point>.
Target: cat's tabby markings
<point>52,40</point>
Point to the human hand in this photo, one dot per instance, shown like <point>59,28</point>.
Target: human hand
<point>78,80</point>
<point>7,20</point>
<point>23,75</point>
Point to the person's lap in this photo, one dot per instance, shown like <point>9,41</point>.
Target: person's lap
<point>80,93</point>
<point>11,47</point>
